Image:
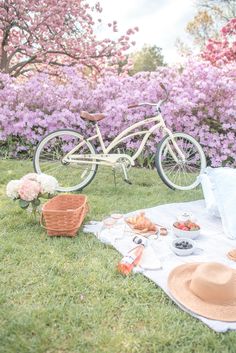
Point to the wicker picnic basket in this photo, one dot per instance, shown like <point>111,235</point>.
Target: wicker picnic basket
<point>64,214</point>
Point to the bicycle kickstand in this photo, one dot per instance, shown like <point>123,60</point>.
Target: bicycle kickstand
<point>126,179</point>
<point>114,177</point>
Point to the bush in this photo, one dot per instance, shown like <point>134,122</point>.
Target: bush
<point>201,103</point>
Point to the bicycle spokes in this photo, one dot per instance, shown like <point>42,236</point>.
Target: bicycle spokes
<point>180,166</point>
<point>51,158</point>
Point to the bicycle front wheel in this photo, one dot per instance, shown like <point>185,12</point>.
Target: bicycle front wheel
<point>49,159</point>
<point>174,171</point>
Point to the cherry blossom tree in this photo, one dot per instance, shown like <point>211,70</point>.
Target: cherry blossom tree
<point>223,50</point>
<point>35,35</point>
<point>210,17</point>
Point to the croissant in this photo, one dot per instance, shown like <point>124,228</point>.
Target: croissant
<point>131,220</point>
<point>134,220</point>
<point>142,223</point>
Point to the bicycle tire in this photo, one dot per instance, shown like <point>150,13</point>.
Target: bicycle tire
<point>163,175</point>
<point>38,166</point>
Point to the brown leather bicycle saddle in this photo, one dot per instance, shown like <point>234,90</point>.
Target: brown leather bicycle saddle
<point>91,117</point>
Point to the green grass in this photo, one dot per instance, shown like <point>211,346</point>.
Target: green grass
<point>62,295</point>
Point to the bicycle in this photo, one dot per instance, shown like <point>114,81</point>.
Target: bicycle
<point>73,160</point>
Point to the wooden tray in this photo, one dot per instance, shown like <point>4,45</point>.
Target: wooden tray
<point>140,232</point>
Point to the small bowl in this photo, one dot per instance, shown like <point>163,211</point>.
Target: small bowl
<point>108,222</point>
<point>116,215</point>
<point>183,252</point>
<point>118,219</point>
<point>188,234</point>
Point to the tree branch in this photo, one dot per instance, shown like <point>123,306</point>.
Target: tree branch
<point>22,64</point>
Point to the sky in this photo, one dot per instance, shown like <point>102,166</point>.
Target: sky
<point>160,22</point>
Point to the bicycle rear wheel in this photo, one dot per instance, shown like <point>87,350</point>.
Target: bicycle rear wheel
<point>173,171</point>
<point>49,154</point>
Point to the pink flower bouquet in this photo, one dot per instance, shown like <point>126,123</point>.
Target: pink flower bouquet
<point>30,188</point>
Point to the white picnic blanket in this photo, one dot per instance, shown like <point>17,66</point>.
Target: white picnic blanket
<point>212,240</point>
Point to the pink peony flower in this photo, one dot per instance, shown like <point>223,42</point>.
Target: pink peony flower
<point>29,190</point>
<point>30,176</point>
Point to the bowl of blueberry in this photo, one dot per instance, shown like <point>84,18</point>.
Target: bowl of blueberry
<point>183,246</point>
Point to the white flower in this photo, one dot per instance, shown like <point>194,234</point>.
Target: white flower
<point>12,189</point>
<point>48,183</point>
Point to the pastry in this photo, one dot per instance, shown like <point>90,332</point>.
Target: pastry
<point>232,255</point>
<point>141,223</point>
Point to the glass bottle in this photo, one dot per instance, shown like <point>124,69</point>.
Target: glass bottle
<point>131,259</point>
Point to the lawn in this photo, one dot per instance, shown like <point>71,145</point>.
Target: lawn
<point>62,295</point>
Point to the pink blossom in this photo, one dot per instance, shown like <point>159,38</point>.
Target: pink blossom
<point>36,33</point>
<point>222,51</point>
<point>29,190</point>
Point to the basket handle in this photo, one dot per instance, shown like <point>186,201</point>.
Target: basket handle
<point>87,208</point>
<point>41,221</point>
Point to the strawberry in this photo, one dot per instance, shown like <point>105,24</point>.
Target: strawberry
<point>195,227</point>
<point>181,226</point>
<point>188,223</point>
<point>176,224</point>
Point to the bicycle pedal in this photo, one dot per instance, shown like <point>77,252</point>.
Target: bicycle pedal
<point>128,181</point>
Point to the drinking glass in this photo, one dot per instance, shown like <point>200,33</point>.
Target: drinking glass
<point>109,232</point>
<point>119,225</point>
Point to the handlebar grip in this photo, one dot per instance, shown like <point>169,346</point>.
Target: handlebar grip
<point>133,106</point>
<point>162,86</point>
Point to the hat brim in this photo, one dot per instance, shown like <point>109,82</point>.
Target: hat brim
<point>178,285</point>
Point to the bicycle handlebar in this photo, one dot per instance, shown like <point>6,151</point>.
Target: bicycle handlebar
<point>142,103</point>
<point>152,104</point>
<point>133,106</point>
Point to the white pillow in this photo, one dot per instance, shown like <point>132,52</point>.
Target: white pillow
<point>223,181</point>
<point>209,196</point>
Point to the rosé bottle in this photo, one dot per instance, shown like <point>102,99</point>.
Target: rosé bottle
<point>130,260</point>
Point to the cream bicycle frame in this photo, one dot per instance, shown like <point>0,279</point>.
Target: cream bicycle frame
<point>110,159</point>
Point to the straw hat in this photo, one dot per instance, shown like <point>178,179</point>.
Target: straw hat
<point>207,289</point>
